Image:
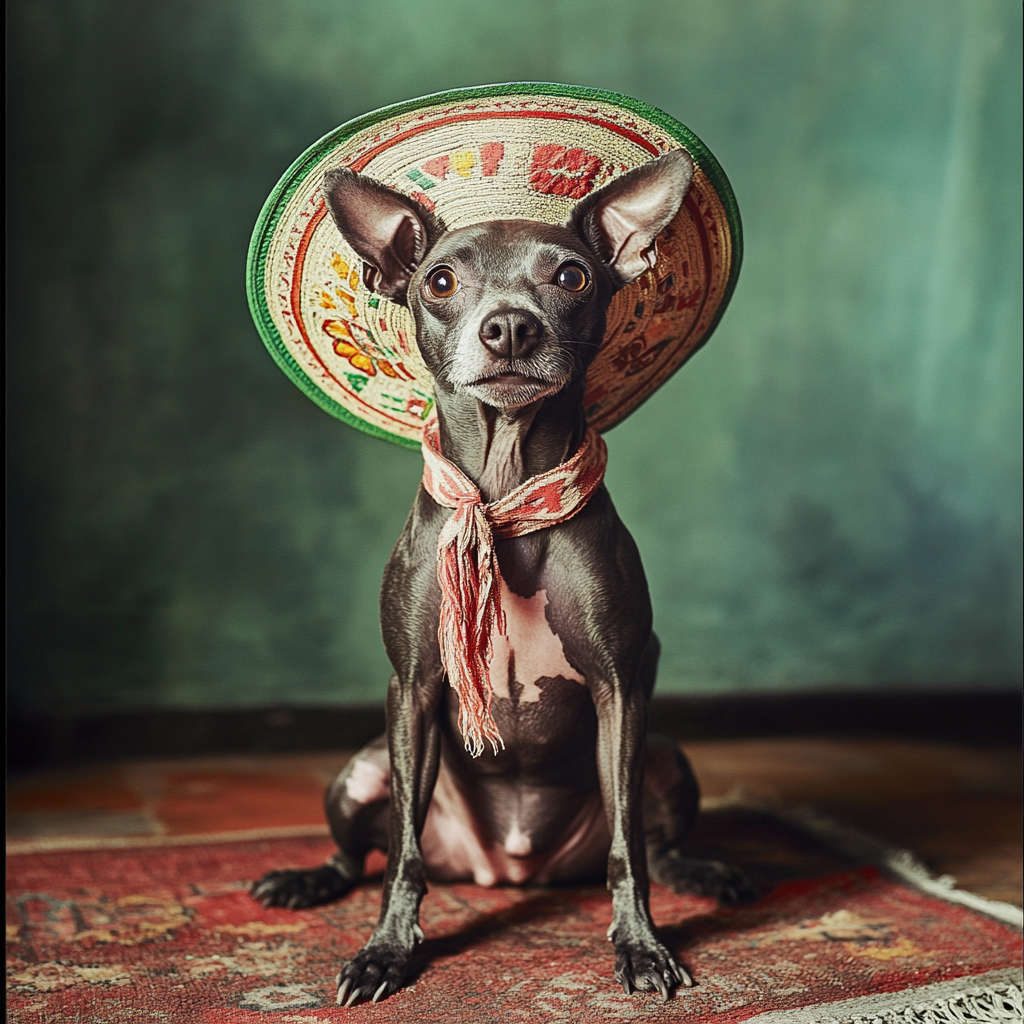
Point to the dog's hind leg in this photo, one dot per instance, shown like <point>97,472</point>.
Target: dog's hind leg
<point>356,803</point>
<point>671,802</point>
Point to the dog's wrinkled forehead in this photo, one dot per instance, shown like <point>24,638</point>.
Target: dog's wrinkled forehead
<point>509,253</point>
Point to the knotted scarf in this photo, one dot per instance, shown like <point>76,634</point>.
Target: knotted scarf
<point>467,567</point>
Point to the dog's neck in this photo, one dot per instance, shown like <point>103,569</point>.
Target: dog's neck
<point>499,451</point>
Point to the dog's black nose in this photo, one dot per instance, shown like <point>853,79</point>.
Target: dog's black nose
<point>511,333</point>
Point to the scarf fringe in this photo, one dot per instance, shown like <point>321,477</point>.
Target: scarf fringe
<point>468,568</point>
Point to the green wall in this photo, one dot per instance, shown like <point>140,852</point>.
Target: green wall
<point>828,496</point>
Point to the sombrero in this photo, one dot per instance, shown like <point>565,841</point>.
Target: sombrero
<point>524,151</point>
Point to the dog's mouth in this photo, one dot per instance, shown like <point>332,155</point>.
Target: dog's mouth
<point>509,379</point>
<point>508,389</point>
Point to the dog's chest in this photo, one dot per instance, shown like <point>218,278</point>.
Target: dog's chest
<point>529,652</point>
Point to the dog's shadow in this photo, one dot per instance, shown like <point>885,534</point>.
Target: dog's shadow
<point>548,903</point>
<point>675,937</point>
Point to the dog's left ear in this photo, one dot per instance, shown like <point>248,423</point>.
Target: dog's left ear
<point>621,221</point>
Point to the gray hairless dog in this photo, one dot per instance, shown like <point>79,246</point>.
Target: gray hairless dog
<point>509,314</point>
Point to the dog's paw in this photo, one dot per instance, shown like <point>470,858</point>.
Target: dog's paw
<point>723,882</point>
<point>648,967</point>
<point>296,890</point>
<point>375,973</point>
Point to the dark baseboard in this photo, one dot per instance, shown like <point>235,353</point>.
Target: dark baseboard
<point>990,718</point>
<point>38,742</point>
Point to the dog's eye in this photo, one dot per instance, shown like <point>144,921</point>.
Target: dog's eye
<point>572,278</point>
<point>442,283</point>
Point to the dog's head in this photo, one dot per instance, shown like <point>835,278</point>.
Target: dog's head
<point>509,311</point>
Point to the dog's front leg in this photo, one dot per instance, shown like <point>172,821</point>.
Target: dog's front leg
<point>641,961</point>
<point>414,744</point>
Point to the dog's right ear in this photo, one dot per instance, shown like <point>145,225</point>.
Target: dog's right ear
<point>390,231</point>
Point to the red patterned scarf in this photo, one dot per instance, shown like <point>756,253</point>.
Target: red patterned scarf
<point>467,567</point>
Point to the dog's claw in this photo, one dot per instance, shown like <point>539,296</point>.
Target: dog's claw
<point>678,973</point>
<point>356,993</point>
<point>626,987</point>
<point>379,992</point>
<point>662,987</point>
<point>343,989</point>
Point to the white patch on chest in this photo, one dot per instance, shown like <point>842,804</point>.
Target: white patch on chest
<point>531,648</point>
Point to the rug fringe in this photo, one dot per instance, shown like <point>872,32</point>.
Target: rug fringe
<point>993,998</point>
<point>984,1006</point>
<point>855,844</point>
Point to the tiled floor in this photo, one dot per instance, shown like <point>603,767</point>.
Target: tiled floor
<point>958,808</point>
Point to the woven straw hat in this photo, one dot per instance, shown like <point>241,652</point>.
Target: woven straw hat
<point>524,151</point>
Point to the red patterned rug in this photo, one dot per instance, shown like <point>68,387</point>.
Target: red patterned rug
<point>169,933</point>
